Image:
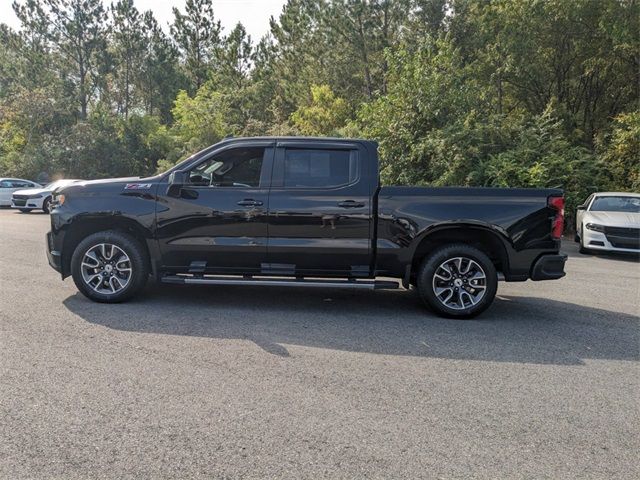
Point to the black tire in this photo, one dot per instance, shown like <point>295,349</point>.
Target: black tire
<point>138,264</point>
<point>25,210</point>
<point>431,265</point>
<point>46,205</point>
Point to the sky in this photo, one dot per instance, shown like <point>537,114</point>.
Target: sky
<point>254,14</point>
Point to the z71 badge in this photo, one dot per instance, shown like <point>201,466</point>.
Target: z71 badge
<point>137,186</point>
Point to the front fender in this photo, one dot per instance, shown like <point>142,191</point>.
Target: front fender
<point>84,214</point>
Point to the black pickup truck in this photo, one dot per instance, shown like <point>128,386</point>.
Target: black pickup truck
<point>302,212</point>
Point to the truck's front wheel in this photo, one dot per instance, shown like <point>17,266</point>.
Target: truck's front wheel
<point>457,281</point>
<point>109,267</point>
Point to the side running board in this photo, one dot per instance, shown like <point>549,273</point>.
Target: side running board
<point>280,282</point>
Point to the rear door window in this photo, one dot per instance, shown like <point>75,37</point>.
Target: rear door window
<point>319,168</point>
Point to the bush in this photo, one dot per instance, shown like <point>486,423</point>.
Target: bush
<point>619,151</point>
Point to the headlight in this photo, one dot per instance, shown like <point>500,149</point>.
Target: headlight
<point>58,199</point>
<point>595,227</point>
<point>35,196</point>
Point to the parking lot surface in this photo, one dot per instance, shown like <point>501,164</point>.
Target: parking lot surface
<point>256,382</point>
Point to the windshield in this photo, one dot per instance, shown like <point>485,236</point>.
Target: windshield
<point>616,204</point>
<point>189,159</point>
<point>58,183</point>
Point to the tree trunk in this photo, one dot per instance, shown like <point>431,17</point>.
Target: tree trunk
<point>365,57</point>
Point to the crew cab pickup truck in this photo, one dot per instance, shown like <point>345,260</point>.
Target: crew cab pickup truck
<point>302,212</point>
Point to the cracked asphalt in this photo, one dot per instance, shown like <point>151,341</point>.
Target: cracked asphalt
<point>255,382</point>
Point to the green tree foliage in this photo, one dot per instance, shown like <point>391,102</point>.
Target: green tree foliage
<point>540,155</point>
<point>160,77</point>
<point>29,120</point>
<point>620,153</point>
<point>522,93</point>
<point>234,59</point>
<point>28,52</point>
<point>232,78</point>
<point>127,46</point>
<point>197,35</point>
<point>427,123</point>
<point>363,30</point>
<point>200,120</point>
<point>325,115</point>
<point>579,53</point>
<point>77,30</point>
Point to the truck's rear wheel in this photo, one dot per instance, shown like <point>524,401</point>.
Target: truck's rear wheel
<point>457,281</point>
<point>109,267</point>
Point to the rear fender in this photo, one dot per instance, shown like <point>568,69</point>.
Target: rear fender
<point>491,239</point>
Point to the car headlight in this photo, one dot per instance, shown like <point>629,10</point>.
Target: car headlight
<point>58,199</point>
<point>35,196</point>
<point>595,227</point>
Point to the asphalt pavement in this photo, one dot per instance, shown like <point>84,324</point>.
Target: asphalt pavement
<point>257,382</point>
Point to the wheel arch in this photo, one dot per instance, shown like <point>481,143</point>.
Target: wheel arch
<point>81,228</point>
<point>48,198</point>
<point>482,237</point>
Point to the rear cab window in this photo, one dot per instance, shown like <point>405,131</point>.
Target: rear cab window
<point>318,168</point>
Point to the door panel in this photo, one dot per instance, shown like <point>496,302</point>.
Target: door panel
<point>320,212</point>
<point>5,192</point>
<point>219,219</point>
<point>8,187</point>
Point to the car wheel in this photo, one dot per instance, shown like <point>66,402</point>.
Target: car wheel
<point>457,281</point>
<point>25,210</point>
<point>109,267</point>
<point>581,248</point>
<point>46,205</point>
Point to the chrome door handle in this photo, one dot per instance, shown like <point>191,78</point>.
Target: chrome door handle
<point>350,204</point>
<point>249,202</point>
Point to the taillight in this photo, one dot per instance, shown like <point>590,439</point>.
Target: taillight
<point>557,203</point>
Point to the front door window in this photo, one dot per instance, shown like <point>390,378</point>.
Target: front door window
<point>239,168</point>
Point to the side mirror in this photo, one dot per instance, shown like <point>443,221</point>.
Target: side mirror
<point>177,180</point>
<point>179,177</point>
<point>581,207</point>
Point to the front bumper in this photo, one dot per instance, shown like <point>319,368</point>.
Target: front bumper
<point>54,257</point>
<point>610,242</point>
<point>549,267</point>
<point>34,203</point>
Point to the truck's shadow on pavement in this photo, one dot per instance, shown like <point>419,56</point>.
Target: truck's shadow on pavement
<point>515,329</point>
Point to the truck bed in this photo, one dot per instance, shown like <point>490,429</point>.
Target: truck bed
<point>518,217</point>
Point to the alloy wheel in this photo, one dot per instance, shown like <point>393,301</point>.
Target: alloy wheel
<point>106,268</point>
<point>459,283</point>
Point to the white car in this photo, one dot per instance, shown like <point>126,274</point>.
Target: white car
<point>10,185</point>
<point>609,221</point>
<point>37,198</point>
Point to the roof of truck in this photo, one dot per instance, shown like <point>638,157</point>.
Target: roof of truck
<point>297,138</point>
